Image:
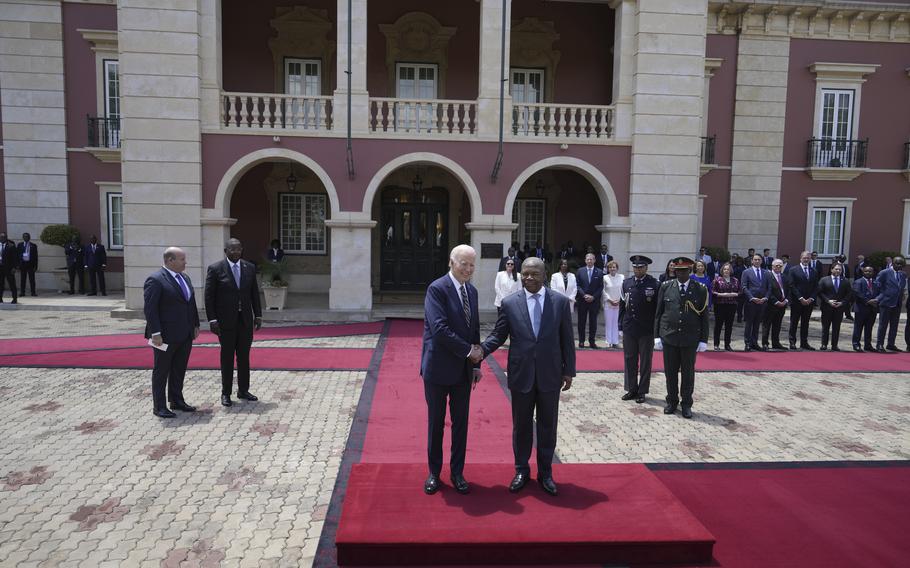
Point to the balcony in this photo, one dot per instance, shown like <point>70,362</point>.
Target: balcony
<point>836,159</point>
<point>562,122</point>
<point>104,138</point>
<point>423,117</point>
<point>274,112</point>
<point>708,161</point>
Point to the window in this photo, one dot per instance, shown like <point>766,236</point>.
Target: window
<point>527,85</point>
<point>836,117</point>
<point>110,126</point>
<point>828,230</point>
<point>303,78</point>
<point>415,81</point>
<point>115,221</point>
<point>530,214</point>
<point>302,222</point>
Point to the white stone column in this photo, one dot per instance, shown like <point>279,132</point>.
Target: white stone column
<point>350,290</point>
<point>210,64</point>
<point>360,112</point>
<point>34,127</point>
<point>624,32</point>
<point>758,141</point>
<point>494,229</point>
<point>490,67</point>
<point>160,86</point>
<point>666,130</point>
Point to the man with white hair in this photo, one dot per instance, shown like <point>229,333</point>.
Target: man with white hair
<point>450,363</point>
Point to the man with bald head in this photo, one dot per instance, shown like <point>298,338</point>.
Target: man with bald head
<point>172,320</point>
<point>233,309</point>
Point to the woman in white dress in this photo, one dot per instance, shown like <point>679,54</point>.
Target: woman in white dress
<point>506,283</point>
<point>564,282</point>
<point>612,296</point>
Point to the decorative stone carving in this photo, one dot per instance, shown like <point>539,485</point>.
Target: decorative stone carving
<point>532,47</point>
<point>417,37</point>
<point>302,33</point>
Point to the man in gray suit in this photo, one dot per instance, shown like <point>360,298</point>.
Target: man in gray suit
<point>541,362</point>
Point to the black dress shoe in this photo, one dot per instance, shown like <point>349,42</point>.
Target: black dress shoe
<point>518,482</point>
<point>15,301</point>
<point>748,348</point>
<point>182,406</point>
<point>686,412</point>
<point>779,346</point>
<point>641,398</point>
<point>823,348</point>
<point>246,396</point>
<point>880,349</point>
<point>835,348</point>
<point>792,345</point>
<point>762,348</point>
<point>226,400</point>
<point>857,348</point>
<point>548,485</point>
<point>163,413</point>
<point>670,409</point>
<point>581,344</point>
<point>869,348</point>
<point>728,348</point>
<point>807,347</point>
<point>889,348</point>
<point>460,484</point>
<point>431,485</point>
<point>594,345</point>
<point>848,318</point>
<point>630,395</point>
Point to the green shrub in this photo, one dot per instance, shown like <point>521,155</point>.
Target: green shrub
<point>58,235</point>
<point>877,259</point>
<point>273,273</point>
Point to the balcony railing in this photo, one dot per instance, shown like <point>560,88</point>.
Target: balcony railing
<point>707,149</point>
<point>276,112</point>
<point>837,153</point>
<point>424,116</point>
<point>562,121</point>
<point>103,132</point>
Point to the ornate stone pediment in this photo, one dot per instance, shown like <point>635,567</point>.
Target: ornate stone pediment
<point>302,32</point>
<point>531,46</point>
<point>417,37</point>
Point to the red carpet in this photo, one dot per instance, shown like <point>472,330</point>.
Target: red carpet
<point>608,514</point>
<point>803,362</point>
<point>398,417</point>
<point>100,342</point>
<point>261,358</point>
<point>805,517</point>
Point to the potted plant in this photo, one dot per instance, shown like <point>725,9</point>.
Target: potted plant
<point>60,235</point>
<point>274,284</point>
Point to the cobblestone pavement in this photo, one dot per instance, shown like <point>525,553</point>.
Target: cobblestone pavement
<point>30,323</point>
<point>341,342</point>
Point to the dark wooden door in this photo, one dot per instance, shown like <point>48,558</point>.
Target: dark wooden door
<point>414,244</point>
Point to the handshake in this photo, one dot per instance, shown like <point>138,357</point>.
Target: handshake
<point>476,355</point>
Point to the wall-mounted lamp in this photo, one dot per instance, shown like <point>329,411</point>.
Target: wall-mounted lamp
<point>292,182</point>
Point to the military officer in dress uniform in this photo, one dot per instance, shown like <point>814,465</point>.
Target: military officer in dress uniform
<point>681,330</point>
<point>636,322</point>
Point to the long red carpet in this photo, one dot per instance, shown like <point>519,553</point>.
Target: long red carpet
<point>608,514</point>
<point>804,362</point>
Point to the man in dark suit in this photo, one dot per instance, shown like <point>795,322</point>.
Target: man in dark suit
<point>817,265</point>
<point>681,330</point>
<point>865,291</point>
<point>636,322</point>
<point>538,324</point>
<point>590,281</point>
<point>450,363</point>
<point>540,251</point>
<point>777,306</point>
<point>171,318</point>
<point>75,262</point>
<point>859,267</point>
<point>833,294</point>
<point>767,260</point>
<point>603,257</point>
<point>275,252</point>
<point>756,287</point>
<point>28,263</point>
<point>233,309</point>
<point>787,265</point>
<point>9,259</point>
<point>95,263</point>
<point>891,282</point>
<point>803,289</point>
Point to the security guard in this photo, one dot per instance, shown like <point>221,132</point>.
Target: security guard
<point>681,329</point>
<point>636,322</point>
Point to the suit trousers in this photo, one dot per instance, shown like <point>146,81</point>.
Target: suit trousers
<point>523,409</point>
<point>6,277</point>
<point>96,275</point>
<point>831,320</point>
<point>863,324</point>
<point>27,271</point>
<point>459,400</point>
<point>799,317</point>
<point>888,320</point>
<point>589,312</point>
<point>680,360</point>
<point>169,370</point>
<point>638,352</point>
<point>754,314</point>
<point>724,314</point>
<point>235,341</point>
<point>771,324</point>
<point>76,274</point>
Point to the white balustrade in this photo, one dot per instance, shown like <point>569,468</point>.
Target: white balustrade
<point>265,111</point>
<point>562,121</point>
<point>423,116</point>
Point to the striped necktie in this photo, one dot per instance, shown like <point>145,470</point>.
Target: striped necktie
<point>465,305</point>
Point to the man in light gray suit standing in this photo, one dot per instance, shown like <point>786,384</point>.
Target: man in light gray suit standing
<point>538,323</point>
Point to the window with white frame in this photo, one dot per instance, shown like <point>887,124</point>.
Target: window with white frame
<point>531,216</point>
<point>828,230</point>
<point>303,78</point>
<point>111,126</point>
<point>115,221</point>
<point>526,86</point>
<point>415,81</point>
<point>302,222</point>
<point>835,121</point>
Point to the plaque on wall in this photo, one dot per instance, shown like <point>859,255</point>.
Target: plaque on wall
<point>491,250</point>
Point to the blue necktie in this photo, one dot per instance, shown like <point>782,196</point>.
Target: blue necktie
<point>535,321</point>
<point>183,286</point>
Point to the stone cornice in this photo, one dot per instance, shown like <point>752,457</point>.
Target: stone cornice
<point>101,40</point>
<point>842,72</point>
